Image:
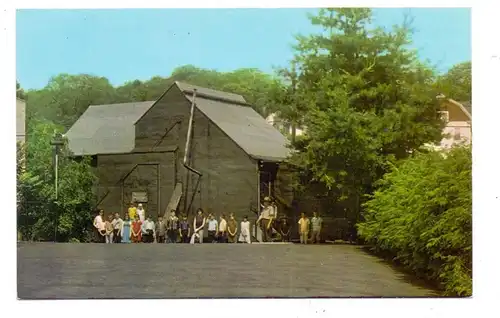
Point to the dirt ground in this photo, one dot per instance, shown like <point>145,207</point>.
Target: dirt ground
<point>81,271</point>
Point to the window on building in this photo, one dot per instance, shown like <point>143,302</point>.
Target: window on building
<point>457,135</point>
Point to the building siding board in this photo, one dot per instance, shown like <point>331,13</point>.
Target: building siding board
<point>229,181</point>
<point>111,168</point>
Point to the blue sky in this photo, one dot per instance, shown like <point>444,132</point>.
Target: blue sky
<point>124,45</point>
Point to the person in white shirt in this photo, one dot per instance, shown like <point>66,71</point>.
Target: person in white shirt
<point>222,235</point>
<point>148,230</point>
<point>245,231</point>
<point>117,228</point>
<point>141,212</point>
<point>99,227</point>
<point>212,228</point>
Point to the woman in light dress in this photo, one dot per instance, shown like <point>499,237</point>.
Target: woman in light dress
<point>141,213</point>
<point>125,232</point>
<point>245,231</point>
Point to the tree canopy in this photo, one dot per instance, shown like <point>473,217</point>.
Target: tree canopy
<point>457,82</point>
<point>66,97</point>
<point>364,97</point>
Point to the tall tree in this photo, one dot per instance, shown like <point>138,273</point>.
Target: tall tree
<point>38,212</point>
<point>364,97</point>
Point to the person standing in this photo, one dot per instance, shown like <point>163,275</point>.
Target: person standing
<point>136,230</point>
<point>161,230</point>
<point>132,211</point>
<point>222,234</point>
<point>212,229</point>
<point>266,218</point>
<point>245,231</point>
<point>232,229</point>
<point>184,229</point>
<point>109,229</point>
<point>100,227</point>
<point>198,225</point>
<point>303,228</point>
<point>141,213</point>
<point>148,230</point>
<point>285,229</point>
<point>117,228</point>
<point>173,227</point>
<point>125,233</point>
<point>316,224</point>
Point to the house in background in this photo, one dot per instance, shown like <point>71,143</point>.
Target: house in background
<point>283,126</point>
<point>458,119</point>
<point>192,148</point>
<point>20,120</point>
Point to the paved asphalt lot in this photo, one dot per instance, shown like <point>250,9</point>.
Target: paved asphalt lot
<point>76,271</point>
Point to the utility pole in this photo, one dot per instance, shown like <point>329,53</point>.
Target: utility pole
<point>57,142</point>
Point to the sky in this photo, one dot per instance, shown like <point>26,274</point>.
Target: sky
<point>128,44</point>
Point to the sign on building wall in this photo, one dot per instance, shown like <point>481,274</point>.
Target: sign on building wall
<point>140,197</point>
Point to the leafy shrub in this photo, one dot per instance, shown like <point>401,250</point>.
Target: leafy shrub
<point>37,208</point>
<point>421,213</point>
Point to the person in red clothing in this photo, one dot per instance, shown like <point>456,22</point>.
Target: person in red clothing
<point>136,235</point>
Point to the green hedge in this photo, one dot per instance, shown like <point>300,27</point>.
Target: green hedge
<point>421,213</point>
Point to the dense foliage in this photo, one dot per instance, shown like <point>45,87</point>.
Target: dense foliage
<point>421,213</point>
<point>457,82</point>
<point>37,208</point>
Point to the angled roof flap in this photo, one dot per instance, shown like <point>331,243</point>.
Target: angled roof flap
<point>104,129</point>
<point>230,97</point>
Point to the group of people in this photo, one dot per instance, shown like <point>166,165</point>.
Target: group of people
<point>136,227</point>
<point>269,223</point>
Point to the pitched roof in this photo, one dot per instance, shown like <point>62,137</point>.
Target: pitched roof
<point>462,107</point>
<point>247,128</point>
<point>105,129</point>
<point>468,106</point>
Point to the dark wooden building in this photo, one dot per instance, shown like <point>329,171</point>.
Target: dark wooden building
<point>193,147</point>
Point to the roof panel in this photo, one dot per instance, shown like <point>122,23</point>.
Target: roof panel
<point>210,92</point>
<point>105,129</point>
<point>247,128</point>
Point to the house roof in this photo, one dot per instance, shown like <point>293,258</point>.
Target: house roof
<point>247,128</point>
<point>467,106</point>
<point>464,109</point>
<point>106,129</point>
